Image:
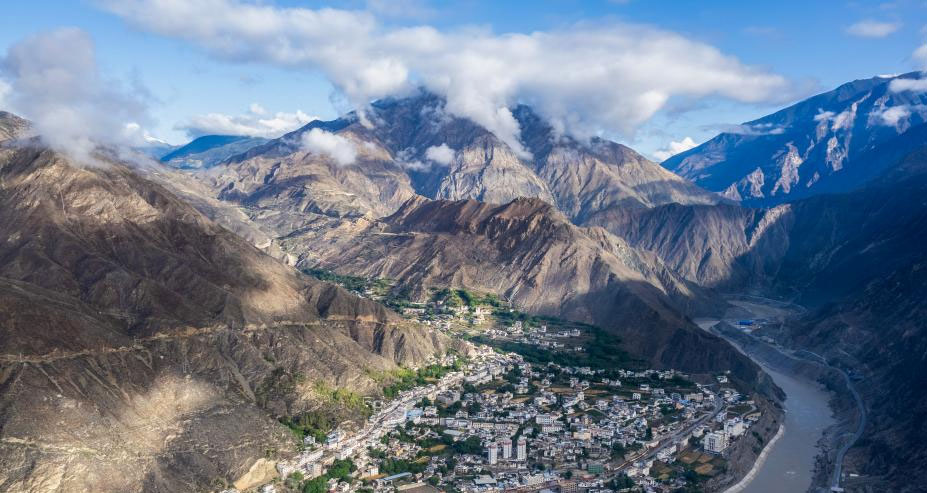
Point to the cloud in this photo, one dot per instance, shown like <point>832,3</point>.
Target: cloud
<point>406,159</point>
<point>872,29</point>
<point>913,85</point>
<point>838,121</point>
<point>674,148</point>
<point>338,148</point>
<point>441,154</point>
<point>897,116</point>
<point>920,56</point>
<point>5,90</point>
<point>256,123</point>
<point>891,116</point>
<point>824,116</point>
<point>584,79</point>
<point>54,81</point>
<point>754,129</point>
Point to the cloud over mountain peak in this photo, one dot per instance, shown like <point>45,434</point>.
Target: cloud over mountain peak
<point>583,78</point>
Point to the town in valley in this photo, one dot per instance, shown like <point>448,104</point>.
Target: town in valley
<point>527,407</point>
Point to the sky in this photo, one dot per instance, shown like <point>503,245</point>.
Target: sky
<point>659,76</point>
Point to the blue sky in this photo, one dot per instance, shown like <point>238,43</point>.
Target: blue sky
<point>808,43</point>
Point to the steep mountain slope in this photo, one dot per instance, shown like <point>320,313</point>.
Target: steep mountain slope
<point>532,255</point>
<point>858,261</point>
<point>723,246</point>
<point>209,150</point>
<point>145,348</point>
<point>820,145</point>
<point>524,250</point>
<point>11,126</point>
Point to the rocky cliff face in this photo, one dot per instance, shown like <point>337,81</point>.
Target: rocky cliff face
<point>821,145</point>
<point>281,185</point>
<point>722,246</point>
<point>145,348</point>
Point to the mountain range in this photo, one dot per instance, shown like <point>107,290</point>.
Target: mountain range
<point>164,298</point>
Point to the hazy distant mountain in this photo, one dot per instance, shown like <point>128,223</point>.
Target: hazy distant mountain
<point>209,150</point>
<point>824,144</point>
<point>155,148</point>
<point>147,348</point>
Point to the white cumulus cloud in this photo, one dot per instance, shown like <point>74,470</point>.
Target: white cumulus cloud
<point>898,116</point>
<point>674,148</point>
<point>54,81</point>
<point>913,85</point>
<point>583,78</point>
<point>441,154</point>
<point>873,29</point>
<point>256,123</point>
<point>340,149</point>
<point>891,116</point>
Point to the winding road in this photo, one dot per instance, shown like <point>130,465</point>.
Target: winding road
<point>860,427</point>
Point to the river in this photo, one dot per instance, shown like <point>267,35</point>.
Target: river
<point>788,465</point>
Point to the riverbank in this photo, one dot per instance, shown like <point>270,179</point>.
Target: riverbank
<point>758,465</point>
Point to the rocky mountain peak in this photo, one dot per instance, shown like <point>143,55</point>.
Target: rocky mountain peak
<point>413,145</point>
<point>823,144</point>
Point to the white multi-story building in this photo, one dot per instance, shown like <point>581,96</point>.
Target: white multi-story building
<point>506,449</point>
<point>716,441</point>
<point>492,453</point>
<point>521,449</point>
<point>544,419</point>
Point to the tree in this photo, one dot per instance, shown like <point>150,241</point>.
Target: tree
<point>618,450</point>
<point>316,485</point>
<point>294,480</point>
